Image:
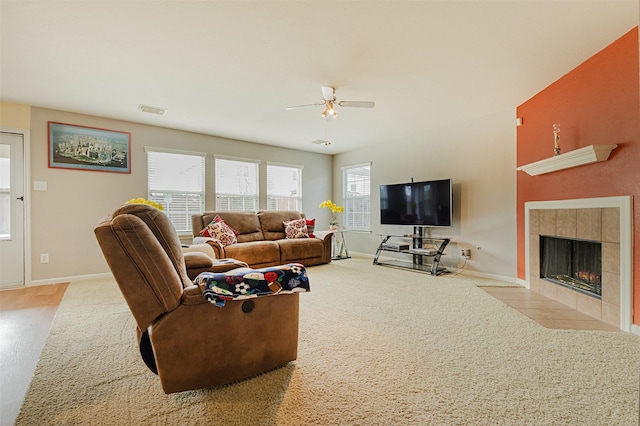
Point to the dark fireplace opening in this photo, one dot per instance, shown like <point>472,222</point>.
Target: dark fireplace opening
<point>572,263</point>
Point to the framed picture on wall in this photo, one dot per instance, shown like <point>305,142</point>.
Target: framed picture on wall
<point>89,148</point>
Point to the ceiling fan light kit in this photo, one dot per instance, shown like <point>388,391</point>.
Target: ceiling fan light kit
<point>329,113</point>
<point>329,102</point>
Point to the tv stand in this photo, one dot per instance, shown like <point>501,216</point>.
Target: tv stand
<point>417,251</point>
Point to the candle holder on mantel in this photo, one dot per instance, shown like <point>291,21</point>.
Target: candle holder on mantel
<point>556,139</point>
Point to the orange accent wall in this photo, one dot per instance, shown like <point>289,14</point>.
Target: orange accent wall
<point>596,103</point>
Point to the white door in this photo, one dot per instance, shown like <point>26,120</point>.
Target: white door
<point>11,210</point>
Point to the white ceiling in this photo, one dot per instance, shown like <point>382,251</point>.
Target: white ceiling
<point>230,68</point>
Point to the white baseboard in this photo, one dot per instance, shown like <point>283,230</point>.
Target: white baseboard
<point>521,282</point>
<point>70,279</point>
<point>358,254</point>
<point>635,329</point>
<point>501,278</point>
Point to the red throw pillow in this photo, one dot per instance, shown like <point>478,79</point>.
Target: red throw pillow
<point>311,226</point>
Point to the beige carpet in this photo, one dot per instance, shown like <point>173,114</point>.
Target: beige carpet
<point>378,346</point>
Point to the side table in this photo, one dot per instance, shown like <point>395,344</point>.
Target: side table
<point>339,246</point>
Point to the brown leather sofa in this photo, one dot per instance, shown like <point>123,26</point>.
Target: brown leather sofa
<point>187,341</point>
<point>261,239</point>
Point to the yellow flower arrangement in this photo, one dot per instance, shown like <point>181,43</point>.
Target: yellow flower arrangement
<point>145,201</point>
<point>332,206</point>
<point>333,223</point>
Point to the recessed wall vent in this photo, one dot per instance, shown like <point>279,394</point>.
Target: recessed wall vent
<point>152,110</point>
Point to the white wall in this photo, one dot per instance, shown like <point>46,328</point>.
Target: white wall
<point>64,216</point>
<point>480,156</point>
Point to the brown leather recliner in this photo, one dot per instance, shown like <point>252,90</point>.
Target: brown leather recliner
<point>187,341</point>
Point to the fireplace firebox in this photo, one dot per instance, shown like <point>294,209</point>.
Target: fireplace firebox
<point>572,263</point>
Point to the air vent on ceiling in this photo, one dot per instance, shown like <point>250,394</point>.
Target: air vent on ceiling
<point>321,142</point>
<point>152,110</point>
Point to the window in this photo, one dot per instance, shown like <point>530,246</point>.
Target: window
<point>284,187</point>
<point>356,186</point>
<point>176,180</point>
<point>5,192</point>
<point>236,185</point>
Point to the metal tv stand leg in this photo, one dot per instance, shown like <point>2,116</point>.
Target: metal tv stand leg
<point>436,258</point>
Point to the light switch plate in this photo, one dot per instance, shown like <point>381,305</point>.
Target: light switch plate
<point>39,185</point>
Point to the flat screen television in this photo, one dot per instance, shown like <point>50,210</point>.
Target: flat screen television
<point>427,203</point>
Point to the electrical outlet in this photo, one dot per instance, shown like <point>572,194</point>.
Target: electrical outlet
<point>465,253</point>
<point>44,258</point>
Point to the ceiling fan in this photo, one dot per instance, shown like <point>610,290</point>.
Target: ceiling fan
<point>330,102</point>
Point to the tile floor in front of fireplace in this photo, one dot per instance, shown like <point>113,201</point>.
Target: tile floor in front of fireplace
<point>545,311</point>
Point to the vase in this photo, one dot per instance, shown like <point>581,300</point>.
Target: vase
<point>556,139</point>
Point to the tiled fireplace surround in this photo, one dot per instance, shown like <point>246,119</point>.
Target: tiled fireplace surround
<point>588,219</point>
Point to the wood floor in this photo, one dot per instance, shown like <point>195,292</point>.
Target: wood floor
<point>26,316</point>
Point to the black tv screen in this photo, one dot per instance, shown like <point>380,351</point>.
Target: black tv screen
<point>426,203</point>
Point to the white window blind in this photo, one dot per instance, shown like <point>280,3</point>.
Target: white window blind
<point>176,180</point>
<point>284,187</point>
<point>356,188</point>
<point>236,185</point>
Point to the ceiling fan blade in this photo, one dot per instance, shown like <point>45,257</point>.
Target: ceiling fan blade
<point>328,93</point>
<point>302,106</point>
<point>357,104</point>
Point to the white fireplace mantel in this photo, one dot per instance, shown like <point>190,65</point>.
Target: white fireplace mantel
<point>587,155</point>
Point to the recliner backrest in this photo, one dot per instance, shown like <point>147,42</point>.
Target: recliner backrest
<point>246,224</point>
<point>272,223</point>
<point>145,256</point>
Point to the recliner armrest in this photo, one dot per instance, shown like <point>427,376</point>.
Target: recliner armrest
<point>204,248</point>
<point>326,237</point>
<point>197,259</point>
<point>214,244</point>
<point>192,295</point>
